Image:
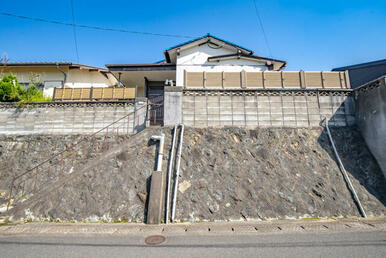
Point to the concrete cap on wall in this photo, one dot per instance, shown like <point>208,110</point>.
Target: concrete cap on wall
<point>173,89</point>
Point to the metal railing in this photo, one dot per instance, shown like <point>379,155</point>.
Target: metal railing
<point>156,110</point>
<point>27,183</point>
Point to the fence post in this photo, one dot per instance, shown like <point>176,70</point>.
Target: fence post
<point>263,79</point>
<point>148,107</point>
<point>322,79</point>
<point>302,79</point>
<point>243,79</point>
<point>347,76</point>
<point>72,94</point>
<point>341,80</point>
<point>222,80</point>
<point>204,82</point>
<point>53,96</point>
<point>91,90</point>
<point>281,79</point>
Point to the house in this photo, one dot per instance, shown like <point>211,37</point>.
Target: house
<point>186,64</point>
<point>52,75</point>
<point>362,73</point>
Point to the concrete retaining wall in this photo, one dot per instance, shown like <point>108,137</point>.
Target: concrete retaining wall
<point>70,118</point>
<point>251,108</point>
<point>370,102</point>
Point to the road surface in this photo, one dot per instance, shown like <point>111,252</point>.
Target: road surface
<point>299,238</point>
<point>322,244</point>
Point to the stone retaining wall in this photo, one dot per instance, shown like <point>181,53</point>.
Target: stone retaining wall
<point>226,174</point>
<point>252,108</point>
<point>70,118</point>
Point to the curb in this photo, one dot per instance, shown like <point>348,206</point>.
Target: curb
<point>214,228</point>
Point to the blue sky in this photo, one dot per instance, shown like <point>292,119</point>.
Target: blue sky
<point>309,35</point>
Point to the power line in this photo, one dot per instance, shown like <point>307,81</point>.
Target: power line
<point>74,30</point>
<point>93,27</point>
<point>262,27</point>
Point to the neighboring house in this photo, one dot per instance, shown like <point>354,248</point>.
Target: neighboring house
<point>204,54</point>
<point>362,73</point>
<point>60,75</point>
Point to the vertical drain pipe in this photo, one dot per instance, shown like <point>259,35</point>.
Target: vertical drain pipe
<point>177,171</point>
<point>157,187</point>
<point>160,151</point>
<point>346,178</point>
<point>169,175</point>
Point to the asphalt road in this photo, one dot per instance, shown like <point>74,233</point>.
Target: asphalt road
<point>336,244</point>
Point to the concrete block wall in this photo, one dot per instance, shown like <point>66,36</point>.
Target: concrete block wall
<point>370,104</point>
<point>172,105</point>
<point>277,108</point>
<point>70,118</point>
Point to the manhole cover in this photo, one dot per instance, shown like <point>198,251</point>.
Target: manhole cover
<point>154,240</point>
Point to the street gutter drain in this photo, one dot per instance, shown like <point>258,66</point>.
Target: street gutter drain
<point>155,240</point>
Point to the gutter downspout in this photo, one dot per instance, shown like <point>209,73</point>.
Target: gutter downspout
<point>160,150</point>
<point>346,178</point>
<point>65,75</point>
<point>177,171</point>
<point>169,175</point>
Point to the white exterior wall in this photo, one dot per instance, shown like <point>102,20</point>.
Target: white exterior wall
<point>195,59</point>
<point>24,74</point>
<point>79,78</point>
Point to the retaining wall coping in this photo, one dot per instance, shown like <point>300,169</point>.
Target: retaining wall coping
<point>68,104</point>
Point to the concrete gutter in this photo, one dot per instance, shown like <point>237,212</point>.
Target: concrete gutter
<point>216,228</point>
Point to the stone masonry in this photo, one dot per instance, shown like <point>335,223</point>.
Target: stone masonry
<point>226,174</point>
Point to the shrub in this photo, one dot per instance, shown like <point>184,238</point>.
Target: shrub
<point>12,91</point>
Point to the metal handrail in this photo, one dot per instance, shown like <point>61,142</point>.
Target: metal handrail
<point>75,144</point>
<point>345,176</point>
<point>72,147</point>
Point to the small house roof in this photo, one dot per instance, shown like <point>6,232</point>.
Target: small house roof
<point>277,64</point>
<point>141,67</point>
<point>240,52</point>
<point>70,64</point>
<point>170,53</point>
<point>362,65</point>
<point>208,36</point>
